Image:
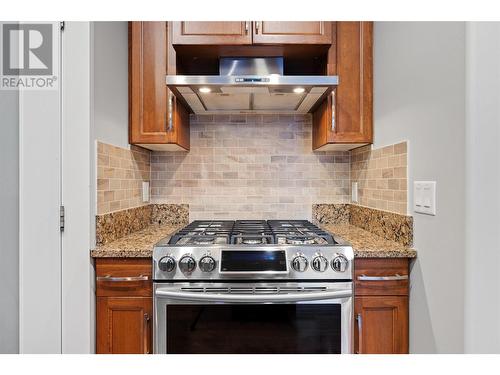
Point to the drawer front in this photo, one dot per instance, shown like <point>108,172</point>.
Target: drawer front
<point>123,277</point>
<point>381,276</point>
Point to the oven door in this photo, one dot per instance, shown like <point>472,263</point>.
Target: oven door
<point>257,318</point>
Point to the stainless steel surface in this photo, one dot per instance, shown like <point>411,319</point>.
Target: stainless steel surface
<point>340,263</point>
<point>308,251</point>
<point>173,294</point>
<point>187,264</point>
<point>121,278</point>
<point>207,263</point>
<point>147,320</point>
<point>320,263</point>
<point>333,110</point>
<point>167,264</point>
<point>170,111</point>
<point>199,279</point>
<point>382,278</point>
<point>250,66</point>
<point>254,296</point>
<point>271,93</point>
<point>299,263</point>
<point>359,320</point>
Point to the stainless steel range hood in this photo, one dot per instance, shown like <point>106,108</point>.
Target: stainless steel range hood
<point>251,85</point>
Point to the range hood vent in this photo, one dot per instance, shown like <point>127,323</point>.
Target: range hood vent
<point>251,85</point>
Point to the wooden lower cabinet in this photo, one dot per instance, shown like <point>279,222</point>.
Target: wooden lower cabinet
<point>124,307</point>
<point>381,306</point>
<point>124,325</point>
<point>381,324</point>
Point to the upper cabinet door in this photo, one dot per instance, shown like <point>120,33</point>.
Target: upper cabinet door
<point>287,32</point>
<point>156,120</point>
<point>147,88</point>
<point>354,95</point>
<point>227,32</point>
<point>345,120</point>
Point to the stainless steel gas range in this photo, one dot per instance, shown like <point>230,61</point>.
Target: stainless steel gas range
<point>276,286</point>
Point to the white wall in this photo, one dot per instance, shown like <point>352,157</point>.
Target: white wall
<point>482,325</point>
<point>111,82</point>
<point>419,96</point>
<point>9,222</point>
<point>77,272</point>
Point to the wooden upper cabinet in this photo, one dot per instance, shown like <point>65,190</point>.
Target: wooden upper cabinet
<point>227,32</point>
<point>292,32</point>
<point>156,120</point>
<point>345,120</point>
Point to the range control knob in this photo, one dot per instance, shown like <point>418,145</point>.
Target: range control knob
<point>319,263</point>
<point>187,264</point>
<point>206,263</point>
<point>339,263</point>
<point>166,263</point>
<point>299,263</point>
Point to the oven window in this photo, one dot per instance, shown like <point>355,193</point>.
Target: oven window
<point>254,329</point>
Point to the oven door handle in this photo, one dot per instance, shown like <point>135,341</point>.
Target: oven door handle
<point>254,298</point>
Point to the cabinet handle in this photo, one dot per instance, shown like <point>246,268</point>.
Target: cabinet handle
<point>257,24</point>
<point>146,333</point>
<point>383,278</point>
<point>170,111</point>
<point>120,278</point>
<point>360,329</point>
<point>333,110</point>
<point>246,27</point>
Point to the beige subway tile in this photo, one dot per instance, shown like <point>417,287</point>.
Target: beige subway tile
<point>400,196</point>
<point>388,150</point>
<point>388,173</point>
<point>400,172</point>
<point>400,148</point>
<point>102,184</point>
<point>393,184</point>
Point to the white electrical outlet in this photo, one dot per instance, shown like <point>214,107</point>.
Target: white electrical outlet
<point>424,197</point>
<point>145,191</point>
<point>354,192</point>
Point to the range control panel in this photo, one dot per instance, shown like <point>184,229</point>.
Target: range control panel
<point>247,262</point>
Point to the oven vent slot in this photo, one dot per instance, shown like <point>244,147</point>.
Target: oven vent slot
<point>255,289</point>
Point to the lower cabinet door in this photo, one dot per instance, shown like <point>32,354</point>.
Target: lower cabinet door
<point>381,325</point>
<point>124,325</point>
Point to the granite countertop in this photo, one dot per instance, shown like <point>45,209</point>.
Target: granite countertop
<point>368,245</point>
<point>136,245</point>
<point>365,244</point>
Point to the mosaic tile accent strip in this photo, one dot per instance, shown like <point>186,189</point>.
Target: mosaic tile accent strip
<point>388,225</point>
<point>382,177</point>
<point>250,167</point>
<point>120,173</point>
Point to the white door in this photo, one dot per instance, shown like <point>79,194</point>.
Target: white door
<point>39,225</point>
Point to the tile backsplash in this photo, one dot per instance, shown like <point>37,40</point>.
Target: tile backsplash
<point>254,167</point>
<point>120,173</point>
<point>382,176</point>
<point>250,166</point>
